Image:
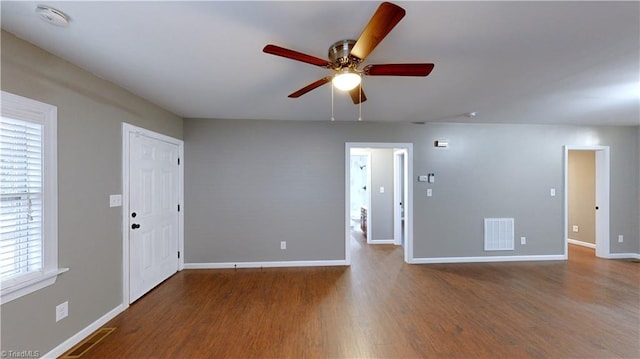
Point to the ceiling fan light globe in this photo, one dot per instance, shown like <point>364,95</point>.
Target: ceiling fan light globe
<point>346,81</point>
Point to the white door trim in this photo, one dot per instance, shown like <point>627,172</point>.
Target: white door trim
<point>603,245</point>
<point>399,231</point>
<point>126,130</point>
<point>408,248</point>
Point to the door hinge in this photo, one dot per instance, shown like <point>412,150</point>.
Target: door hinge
<point>178,208</point>
<point>178,254</point>
<point>178,161</point>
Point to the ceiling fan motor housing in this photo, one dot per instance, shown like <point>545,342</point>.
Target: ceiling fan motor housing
<point>340,55</point>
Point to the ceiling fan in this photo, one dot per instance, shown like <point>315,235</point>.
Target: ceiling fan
<point>345,56</point>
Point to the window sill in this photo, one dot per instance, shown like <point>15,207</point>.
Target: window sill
<point>21,289</point>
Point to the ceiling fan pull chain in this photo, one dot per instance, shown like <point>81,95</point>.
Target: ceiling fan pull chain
<point>360,102</point>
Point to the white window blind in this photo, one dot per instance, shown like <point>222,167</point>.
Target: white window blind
<point>21,198</point>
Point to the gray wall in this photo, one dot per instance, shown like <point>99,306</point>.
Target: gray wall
<point>582,196</point>
<point>90,114</point>
<point>381,226</point>
<point>251,184</point>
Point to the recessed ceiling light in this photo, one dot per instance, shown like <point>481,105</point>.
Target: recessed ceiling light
<point>52,16</point>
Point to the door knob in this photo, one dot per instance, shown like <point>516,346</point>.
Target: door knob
<point>135,226</point>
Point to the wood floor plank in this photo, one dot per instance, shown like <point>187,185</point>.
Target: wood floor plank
<point>381,307</point>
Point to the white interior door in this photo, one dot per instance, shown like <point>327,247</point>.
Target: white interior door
<point>399,195</point>
<point>359,182</point>
<point>153,212</point>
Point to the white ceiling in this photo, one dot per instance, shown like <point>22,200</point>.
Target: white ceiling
<point>518,62</point>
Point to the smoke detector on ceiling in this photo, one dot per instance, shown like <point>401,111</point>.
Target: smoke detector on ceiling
<point>52,16</point>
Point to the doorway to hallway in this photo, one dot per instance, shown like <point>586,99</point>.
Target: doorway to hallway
<point>378,195</point>
<point>601,204</point>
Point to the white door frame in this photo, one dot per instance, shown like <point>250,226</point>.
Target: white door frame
<point>399,231</point>
<point>408,248</point>
<point>603,244</point>
<point>126,130</point>
<point>367,153</point>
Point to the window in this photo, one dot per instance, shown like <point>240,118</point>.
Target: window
<point>28,197</point>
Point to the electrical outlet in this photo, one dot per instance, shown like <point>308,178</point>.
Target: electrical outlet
<point>575,228</point>
<point>523,240</point>
<point>283,245</point>
<point>62,311</point>
<point>620,238</point>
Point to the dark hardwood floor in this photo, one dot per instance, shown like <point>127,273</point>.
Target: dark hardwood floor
<point>381,307</point>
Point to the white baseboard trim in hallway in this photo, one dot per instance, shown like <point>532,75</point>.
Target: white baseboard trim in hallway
<point>382,241</point>
<point>581,243</point>
<point>69,343</point>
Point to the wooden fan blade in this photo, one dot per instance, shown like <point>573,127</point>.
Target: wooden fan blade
<point>382,22</point>
<point>295,55</point>
<point>355,95</point>
<point>310,87</point>
<point>398,70</point>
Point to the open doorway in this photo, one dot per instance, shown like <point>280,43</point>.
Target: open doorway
<point>581,192</point>
<point>378,195</point>
<point>586,214</point>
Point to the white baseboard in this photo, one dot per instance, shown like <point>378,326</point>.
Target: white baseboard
<point>623,256</point>
<point>69,343</point>
<point>265,264</point>
<point>581,243</point>
<point>381,241</point>
<point>552,257</point>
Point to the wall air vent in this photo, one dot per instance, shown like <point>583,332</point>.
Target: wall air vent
<point>84,346</point>
<point>498,234</point>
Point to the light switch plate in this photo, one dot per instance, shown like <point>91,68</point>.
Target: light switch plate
<point>381,189</point>
<point>620,238</point>
<point>552,192</point>
<point>115,200</point>
<point>429,192</point>
<point>523,240</point>
<point>576,228</point>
